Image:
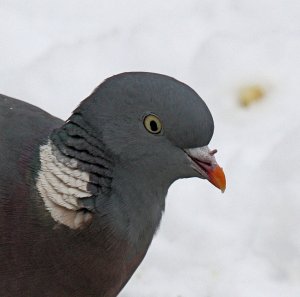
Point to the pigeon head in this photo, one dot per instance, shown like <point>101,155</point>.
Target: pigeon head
<point>124,146</point>
<point>154,125</point>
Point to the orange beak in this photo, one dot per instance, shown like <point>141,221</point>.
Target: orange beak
<point>216,176</point>
<point>203,161</point>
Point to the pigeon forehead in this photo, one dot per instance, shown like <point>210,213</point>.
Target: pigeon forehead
<point>186,119</point>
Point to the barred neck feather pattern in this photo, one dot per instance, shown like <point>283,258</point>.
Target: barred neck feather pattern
<point>74,167</point>
<point>75,140</point>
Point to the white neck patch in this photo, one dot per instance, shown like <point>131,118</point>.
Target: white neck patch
<point>61,186</point>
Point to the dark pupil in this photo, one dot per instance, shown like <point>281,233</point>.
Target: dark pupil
<point>153,126</point>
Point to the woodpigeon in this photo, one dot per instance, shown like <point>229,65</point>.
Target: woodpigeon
<point>80,200</point>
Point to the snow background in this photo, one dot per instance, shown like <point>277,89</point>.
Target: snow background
<point>246,242</point>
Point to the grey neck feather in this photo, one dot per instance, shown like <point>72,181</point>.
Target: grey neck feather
<point>128,202</point>
<point>142,201</point>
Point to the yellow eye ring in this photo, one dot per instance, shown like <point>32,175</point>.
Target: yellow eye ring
<point>153,124</point>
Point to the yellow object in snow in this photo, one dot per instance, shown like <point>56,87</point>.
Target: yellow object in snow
<point>251,94</point>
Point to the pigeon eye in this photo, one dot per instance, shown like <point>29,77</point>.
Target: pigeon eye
<point>153,124</point>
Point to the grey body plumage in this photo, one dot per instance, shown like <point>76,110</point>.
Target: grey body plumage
<point>90,246</point>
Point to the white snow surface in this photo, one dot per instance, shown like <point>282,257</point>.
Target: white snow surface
<point>246,242</point>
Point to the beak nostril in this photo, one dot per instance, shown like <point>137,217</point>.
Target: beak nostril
<point>212,152</point>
